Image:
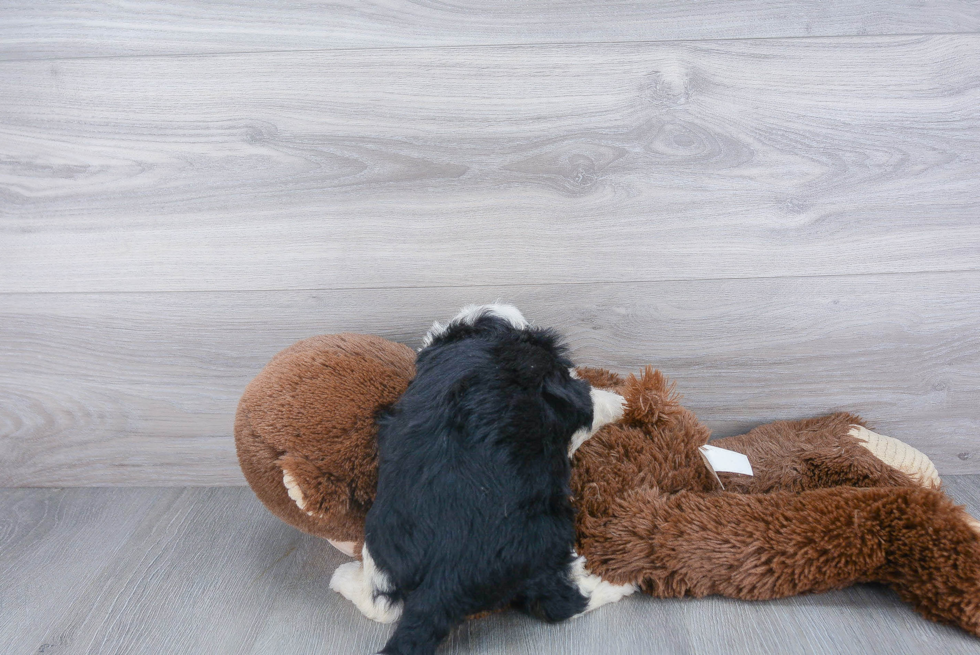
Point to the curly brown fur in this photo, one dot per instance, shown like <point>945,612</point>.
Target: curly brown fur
<point>601,378</point>
<point>656,445</point>
<point>650,513</point>
<point>762,546</point>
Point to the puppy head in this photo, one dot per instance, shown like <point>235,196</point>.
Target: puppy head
<point>532,362</point>
<point>471,314</point>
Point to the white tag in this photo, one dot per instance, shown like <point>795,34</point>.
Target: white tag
<point>725,461</point>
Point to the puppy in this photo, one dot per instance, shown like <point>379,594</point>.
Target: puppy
<point>472,511</point>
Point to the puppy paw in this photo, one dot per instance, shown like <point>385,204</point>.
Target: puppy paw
<point>348,579</point>
<point>899,456</point>
<point>598,591</point>
<point>350,582</point>
<point>292,488</point>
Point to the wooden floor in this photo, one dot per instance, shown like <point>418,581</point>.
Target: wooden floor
<point>171,570</point>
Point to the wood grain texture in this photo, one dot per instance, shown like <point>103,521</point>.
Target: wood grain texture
<point>148,571</point>
<point>46,29</point>
<point>463,166</point>
<point>136,389</point>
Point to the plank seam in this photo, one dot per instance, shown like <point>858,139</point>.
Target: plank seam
<point>543,44</point>
<point>497,284</point>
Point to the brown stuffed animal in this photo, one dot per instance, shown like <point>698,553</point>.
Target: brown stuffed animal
<point>830,503</point>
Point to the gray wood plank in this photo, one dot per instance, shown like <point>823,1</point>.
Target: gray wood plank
<point>54,544</point>
<point>134,389</point>
<point>180,582</point>
<point>46,28</point>
<point>550,164</point>
<point>210,570</point>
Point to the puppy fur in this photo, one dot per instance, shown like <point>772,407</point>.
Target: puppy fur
<point>473,506</point>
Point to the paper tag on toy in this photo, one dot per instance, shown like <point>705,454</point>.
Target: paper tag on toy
<point>724,461</point>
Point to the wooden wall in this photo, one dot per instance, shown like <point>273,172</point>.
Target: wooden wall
<point>776,203</point>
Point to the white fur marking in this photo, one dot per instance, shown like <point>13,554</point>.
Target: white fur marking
<point>358,582</point>
<point>598,591</point>
<point>607,407</point>
<point>469,314</point>
<point>579,437</point>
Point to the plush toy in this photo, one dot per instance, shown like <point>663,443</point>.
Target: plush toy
<point>830,503</point>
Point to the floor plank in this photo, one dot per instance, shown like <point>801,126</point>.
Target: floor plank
<point>550,164</point>
<point>56,28</point>
<point>134,389</point>
<point>210,570</point>
<point>54,544</point>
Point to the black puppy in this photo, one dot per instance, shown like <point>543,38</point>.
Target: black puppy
<point>472,511</point>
